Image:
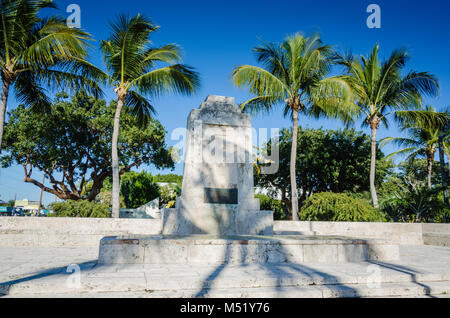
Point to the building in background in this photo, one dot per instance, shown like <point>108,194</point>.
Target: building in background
<point>27,206</point>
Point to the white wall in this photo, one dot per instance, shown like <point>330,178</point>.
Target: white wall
<point>88,232</point>
<point>70,231</point>
<point>399,233</point>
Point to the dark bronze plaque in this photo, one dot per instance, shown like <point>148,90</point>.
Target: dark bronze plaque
<point>221,196</point>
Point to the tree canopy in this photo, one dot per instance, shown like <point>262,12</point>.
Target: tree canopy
<point>406,197</point>
<point>72,145</point>
<point>37,53</point>
<point>327,161</point>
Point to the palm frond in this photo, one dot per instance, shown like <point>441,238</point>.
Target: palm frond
<point>29,92</point>
<point>400,141</point>
<point>176,78</point>
<point>261,82</point>
<point>259,105</point>
<point>170,53</point>
<point>425,119</point>
<point>123,50</point>
<point>411,152</point>
<point>333,97</point>
<point>140,108</point>
<point>54,41</point>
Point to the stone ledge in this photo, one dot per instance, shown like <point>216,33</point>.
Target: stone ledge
<point>241,250</point>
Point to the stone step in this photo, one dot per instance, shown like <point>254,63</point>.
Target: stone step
<point>210,249</point>
<point>386,290</point>
<point>410,289</point>
<point>185,279</point>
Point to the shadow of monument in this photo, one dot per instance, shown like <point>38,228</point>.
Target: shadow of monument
<point>56,271</point>
<point>283,274</point>
<point>405,270</point>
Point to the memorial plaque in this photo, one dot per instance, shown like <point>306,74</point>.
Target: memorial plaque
<point>221,196</point>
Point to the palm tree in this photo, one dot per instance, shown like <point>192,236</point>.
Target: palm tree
<point>380,90</point>
<point>37,52</point>
<point>423,139</point>
<point>133,72</point>
<point>294,73</point>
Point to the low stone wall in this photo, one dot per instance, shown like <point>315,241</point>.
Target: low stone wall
<point>436,234</point>
<point>69,232</point>
<point>398,233</point>
<point>73,232</point>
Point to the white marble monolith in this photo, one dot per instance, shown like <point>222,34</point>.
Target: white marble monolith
<point>218,185</point>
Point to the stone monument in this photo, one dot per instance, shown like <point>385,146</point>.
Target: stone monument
<point>218,184</point>
<point>217,220</point>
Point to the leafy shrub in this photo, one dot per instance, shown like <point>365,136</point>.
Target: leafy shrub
<point>338,207</point>
<point>80,209</point>
<point>269,204</point>
<point>138,189</point>
<point>416,204</point>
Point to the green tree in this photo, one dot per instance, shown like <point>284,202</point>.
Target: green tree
<point>72,145</point>
<point>138,189</point>
<point>36,52</point>
<point>132,66</point>
<point>415,202</point>
<point>294,73</point>
<point>329,161</point>
<point>422,140</point>
<point>379,88</point>
<point>405,196</point>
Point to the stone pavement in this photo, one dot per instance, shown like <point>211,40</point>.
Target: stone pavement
<point>43,272</point>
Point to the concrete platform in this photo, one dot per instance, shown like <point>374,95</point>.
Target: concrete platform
<point>37,272</point>
<point>209,249</point>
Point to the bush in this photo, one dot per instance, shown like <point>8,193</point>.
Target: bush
<point>335,207</point>
<point>138,189</point>
<point>416,203</point>
<point>269,204</point>
<point>80,209</point>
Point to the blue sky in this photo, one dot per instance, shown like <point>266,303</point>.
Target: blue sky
<point>218,35</point>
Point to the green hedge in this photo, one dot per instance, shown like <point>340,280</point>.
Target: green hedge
<point>80,209</point>
<point>336,207</point>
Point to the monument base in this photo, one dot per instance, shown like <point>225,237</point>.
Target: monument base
<point>216,220</point>
<point>208,249</point>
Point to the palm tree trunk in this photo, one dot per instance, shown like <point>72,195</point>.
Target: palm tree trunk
<point>373,163</point>
<point>294,192</point>
<point>430,170</point>
<point>3,105</point>
<point>115,161</point>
